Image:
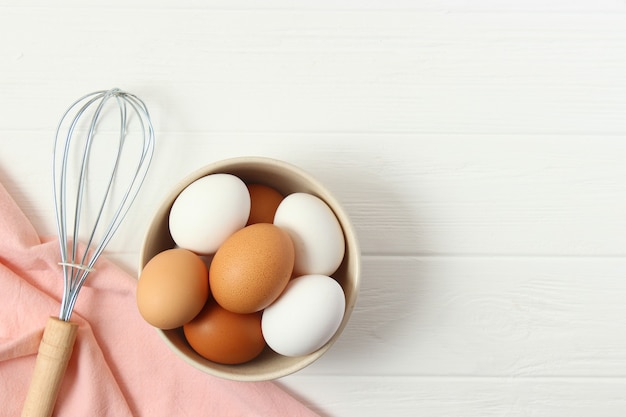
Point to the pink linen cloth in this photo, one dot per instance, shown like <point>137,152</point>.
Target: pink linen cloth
<point>120,366</point>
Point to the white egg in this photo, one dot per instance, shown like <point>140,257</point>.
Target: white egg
<point>315,231</point>
<point>305,316</point>
<point>208,211</point>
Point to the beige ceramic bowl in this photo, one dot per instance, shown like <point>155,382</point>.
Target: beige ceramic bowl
<point>286,179</point>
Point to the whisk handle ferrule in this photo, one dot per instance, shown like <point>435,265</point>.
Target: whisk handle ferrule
<point>54,354</point>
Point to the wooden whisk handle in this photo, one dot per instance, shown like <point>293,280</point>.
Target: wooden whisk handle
<point>54,354</point>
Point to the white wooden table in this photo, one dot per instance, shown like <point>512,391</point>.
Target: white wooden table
<point>480,148</point>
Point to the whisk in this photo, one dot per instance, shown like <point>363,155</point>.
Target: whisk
<point>88,215</point>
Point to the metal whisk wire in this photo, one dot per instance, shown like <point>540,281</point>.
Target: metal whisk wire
<point>78,261</point>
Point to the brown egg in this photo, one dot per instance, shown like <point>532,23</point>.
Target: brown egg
<point>264,201</point>
<point>172,288</point>
<point>225,337</point>
<point>251,269</point>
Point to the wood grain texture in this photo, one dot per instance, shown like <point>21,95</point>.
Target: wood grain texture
<point>478,147</point>
<point>485,316</point>
<point>447,397</point>
<point>53,356</point>
<point>349,71</point>
<point>417,194</point>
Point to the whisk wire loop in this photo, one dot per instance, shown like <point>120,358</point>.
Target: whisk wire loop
<point>78,260</point>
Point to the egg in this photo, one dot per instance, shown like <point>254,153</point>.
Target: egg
<point>264,201</point>
<point>172,288</point>
<point>225,337</point>
<point>315,231</point>
<point>305,317</point>
<point>251,269</point>
<point>208,211</point>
